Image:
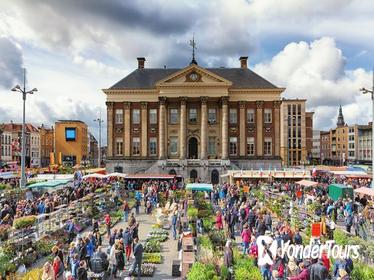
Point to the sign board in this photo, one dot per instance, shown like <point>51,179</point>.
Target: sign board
<point>316,230</point>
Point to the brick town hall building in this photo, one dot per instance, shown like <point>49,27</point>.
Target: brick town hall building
<point>196,122</point>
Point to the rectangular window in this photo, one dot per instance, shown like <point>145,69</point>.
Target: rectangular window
<point>250,146</point>
<point>153,116</point>
<point>267,147</point>
<point>192,115</point>
<point>173,116</point>
<point>212,116</point>
<point>233,147</point>
<point>152,146</point>
<point>119,116</point>
<point>212,146</point>
<point>119,145</point>
<point>173,145</point>
<point>250,116</point>
<point>135,146</point>
<point>136,116</point>
<point>233,116</point>
<point>267,115</point>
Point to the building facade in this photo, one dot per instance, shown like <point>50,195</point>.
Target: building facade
<point>35,160</point>
<point>71,142</point>
<point>47,136</point>
<point>316,149</point>
<point>325,147</point>
<point>195,121</point>
<point>364,143</point>
<point>296,128</point>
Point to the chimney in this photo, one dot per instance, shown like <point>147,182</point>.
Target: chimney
<point>141,61</point>
<point>243,62</point>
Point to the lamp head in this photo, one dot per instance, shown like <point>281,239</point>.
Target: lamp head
<point>16,88</point>
<point>364,90</point>
<point>34,90</point>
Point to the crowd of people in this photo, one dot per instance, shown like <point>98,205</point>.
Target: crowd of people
<point>243,215</point>
<point>238,214</point>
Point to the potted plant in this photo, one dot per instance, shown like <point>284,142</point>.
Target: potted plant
<point>24,222</point>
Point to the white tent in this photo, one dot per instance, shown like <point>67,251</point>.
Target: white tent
<point>94,175</point>
<point>115,174</point>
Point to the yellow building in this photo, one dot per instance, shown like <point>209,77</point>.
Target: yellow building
<point>71,140</point>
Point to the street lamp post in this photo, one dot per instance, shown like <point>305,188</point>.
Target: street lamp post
<point>365,91</point>
<point>18,88</point>
<point>100,121</point>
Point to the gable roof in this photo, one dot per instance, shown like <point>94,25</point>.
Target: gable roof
<point>241,78</point>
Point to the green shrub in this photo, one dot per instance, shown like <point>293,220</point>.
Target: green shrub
<point>224,273</point>
<point>205,242</point>
<point>44,246</point>
<point>201,271</point>
<point>218,238</point>
<point>192,213</point>
<point>362,272</point>
<point>245,269</point>
<point>152,246</point>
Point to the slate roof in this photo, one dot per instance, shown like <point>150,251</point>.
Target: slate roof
<point>147,78</point>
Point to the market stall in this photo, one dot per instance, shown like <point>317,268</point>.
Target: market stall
<point>364,191</point>
<point>307,183</point>
<point>337,191</point>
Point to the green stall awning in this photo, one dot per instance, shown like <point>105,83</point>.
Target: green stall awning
<point>51,184</point>
<point>199,187</point>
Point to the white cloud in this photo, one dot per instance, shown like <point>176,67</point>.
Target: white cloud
<point>316,71</point>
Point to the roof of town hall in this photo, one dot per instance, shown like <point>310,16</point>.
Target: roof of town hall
<point>146,78</point>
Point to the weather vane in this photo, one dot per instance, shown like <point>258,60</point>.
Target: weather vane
<point>193,45</point>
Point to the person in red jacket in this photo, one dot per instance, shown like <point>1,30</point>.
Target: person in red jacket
<point>246,238</point>
<point>219,220</point>
<point>325,260</point>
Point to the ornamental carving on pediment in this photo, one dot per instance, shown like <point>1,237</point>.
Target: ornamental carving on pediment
<point>136,130</point>
<point>119,130</point>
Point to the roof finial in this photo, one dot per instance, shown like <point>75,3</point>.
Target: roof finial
<point>193,45</point>
<point>340,121</point>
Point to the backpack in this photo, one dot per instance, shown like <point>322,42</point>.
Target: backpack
<point>97,265</point>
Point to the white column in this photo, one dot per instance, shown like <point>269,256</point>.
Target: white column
<point>204,127</point>
<point>144,124</point>
<point>161,133</point>
<point>225,128</point>
<point>183,129</point>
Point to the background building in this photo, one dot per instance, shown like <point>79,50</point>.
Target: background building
<point>93,150</point>
<point>325,148</point>
<point>34,151</point>
<point>316,149</point>
<point>194,121</point>
<point>71,142</point>
<point>46,144</point>
<point>296,132</point>
<point>364,143</point>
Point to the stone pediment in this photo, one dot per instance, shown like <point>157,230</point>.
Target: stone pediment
<point>193,76</point>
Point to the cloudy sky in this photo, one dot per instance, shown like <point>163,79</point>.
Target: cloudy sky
<point>321,50</point>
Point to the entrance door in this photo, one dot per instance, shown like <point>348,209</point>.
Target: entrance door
<point>192,148</point>
<point>193,175</point>
<point>214,177</point>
